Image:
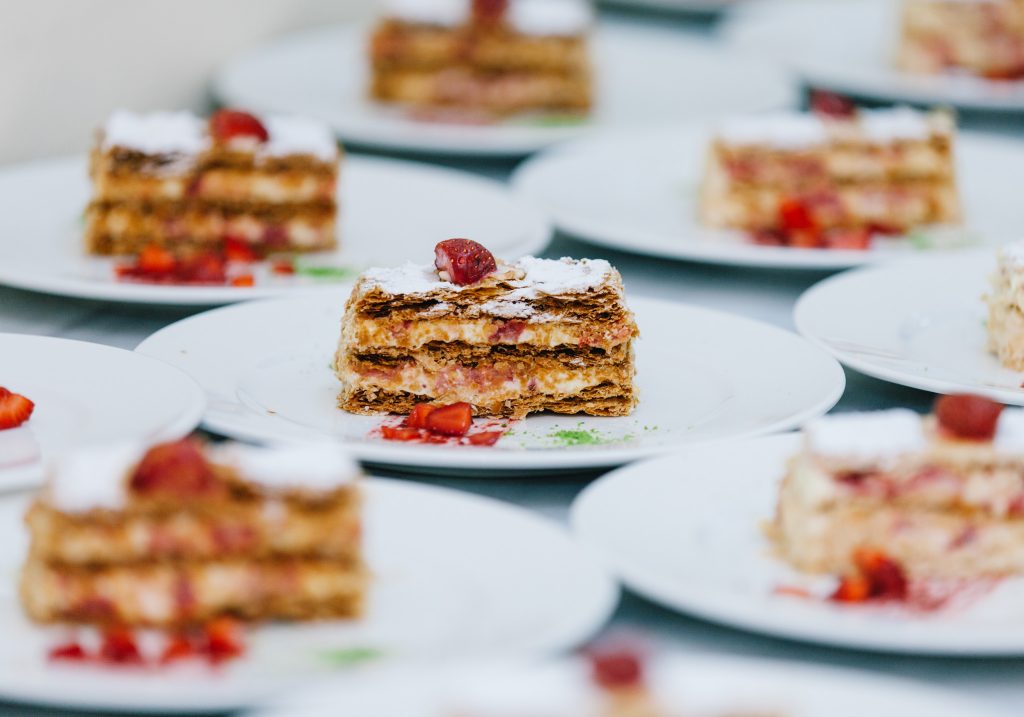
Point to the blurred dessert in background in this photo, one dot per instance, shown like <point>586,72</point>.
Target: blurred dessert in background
<point>891,496</point>
<point>831,181</point>
<point>174,182</point>
<point>1005,323</point>
<point>483,57</point>
<point>978,37</point>
<point>501,339</point>
<point>182,534</point>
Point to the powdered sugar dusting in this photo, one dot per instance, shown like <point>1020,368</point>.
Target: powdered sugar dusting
<point>786,130</point>
<point>1012,253</point>
<point>867,435</point>
<point>549,17</point>
<point>156,132</point>
<point>899,123</point>
<point>92,478</point>
<point>315,466</point>
<point>444,13</point>
<point>1010,431</point>
<point>299,135</point>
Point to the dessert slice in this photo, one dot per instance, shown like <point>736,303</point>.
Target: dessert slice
<point>179,535</point>
<point>484,56</point>
<point>817,181</point>
<point>509,339</point>
<point>982,37</point>
<point>1005,323</point>
<point>176,181</point>
<point>942,496</point>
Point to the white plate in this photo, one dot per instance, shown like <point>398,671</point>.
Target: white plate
<point>455,575</point>
<point>87,394</point>
<point>266,369</point>
<point>849,47</point>
<point>323,74</point>
<point>648,203</point>
<point>703,7</point>
<point>686,531</point>
<point>390,212</point>
<point>681,684</point>
<point>919,324</point>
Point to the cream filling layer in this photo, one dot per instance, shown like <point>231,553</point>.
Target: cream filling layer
<point>366,334</point>
<point>217,185</point>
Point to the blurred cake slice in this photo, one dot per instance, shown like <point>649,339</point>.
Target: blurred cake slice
<point>180,182</point>
<point>977,37</point>
<point>1005,323</point>
<point>817,181</point>
<point>181,534</point>
<point>509,339</point>
<point>942,496</point>
<point>483,56</point>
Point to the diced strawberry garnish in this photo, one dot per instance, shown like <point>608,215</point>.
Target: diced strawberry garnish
<point>832,105</point>
<point>616,668</point>
<point>452,420</point>
<point>489,10</point>
<point>15,409</point>
<point>851,238</point>
<point>226,124</point>
<point>795,215</point>
<point>463,261</point>
<point>119,647</point>
<point>485,438</point>
<point>155,259</point>
<point>239,250</point>
<point>418,417</point>
<point>284,267</point>
<point>178,647</point>
<point>968,417</point>
<point>400,433</point>
<point>69,651</point>
<point>886,576</point>
<point>243,280</point>
<point>178,469</point>
<point>852,588</point>
<point>204,268</point>
<point>223,639</point>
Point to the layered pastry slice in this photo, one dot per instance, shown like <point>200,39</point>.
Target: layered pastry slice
<point>1005,301</point>
<point>181,534</point>
<point>820,181</point>
<point>179,182</point>
<point>509,339</point>
<point>979,37</point>
<point>942,495</point>
<point>492,57</point>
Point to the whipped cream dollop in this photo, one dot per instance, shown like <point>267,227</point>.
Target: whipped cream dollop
<point>444,13</point>
<point>867,435</point>
<point>549,17</point>
<point>897,123</point>
<point>304,466</point>
<point>92,478</point>
<point>299,135</point>
<point>801,130</point>
<point>1009,436</point>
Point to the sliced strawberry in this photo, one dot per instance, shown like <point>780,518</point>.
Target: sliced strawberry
<point>15,409</point>
<point>968,417</point>
<point>418,417</point>
<point>452,420</point>
<point>831,104</point>
<point>155,259</point>
<point>223,639</point>
<point>226,124</point>
<point>616,668</point>
<point>852,239</point>
<point>239,250</point>
<point>204,268</point>
<point>886,577</point>
<point>178,647</point>
<point>400,433</point>
<point>285,267</point>
<point>119,647</point>
<point>68,651</point>
<point>795,215</point>
<point>243,280</point>
<point>485,438</point>
<point>852,588</point>
<point>177,469</point>
<point>463,261</point>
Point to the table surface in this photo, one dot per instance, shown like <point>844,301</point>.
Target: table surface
<point>765,295</point>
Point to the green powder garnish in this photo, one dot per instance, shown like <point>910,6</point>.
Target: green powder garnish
<point>334,273</point>
<point>351,656</point>
<point>577,437</point>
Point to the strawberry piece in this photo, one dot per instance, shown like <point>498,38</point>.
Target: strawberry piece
<point>177,469</point>
<point>884,575</point>
<point>204,268</point>
<point>178,647</point>
<point>616,668</point>
<point>485,438</point>
<point>452,420</point>
<point>795,215</point>
<point>223,639</point>
<point>284,267</point>
<point>418,417</point>
<point>155,259</point>
<point>463,261</point>
<point>968,417</point>
<point>119,647</point>
<point>243,280</point>
<point>15,409</point>
<point>852,588</point>
<point>400,433</point>
<point>852,239</point>
<point>239,250</point>
<point>69,651</point>
<point>227,124</point>
<point>831,104</point>
<point>489,11</point>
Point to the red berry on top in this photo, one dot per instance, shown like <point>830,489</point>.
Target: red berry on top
<point>489,11</point>
<point>226,124</point>
<point>968,417</point>
<point>15,409</point>
<point>832,105</point>
<point>177,469</point>
<point>463,261</point>
<point>616,668</point>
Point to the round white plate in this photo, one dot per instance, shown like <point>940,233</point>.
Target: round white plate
<point>687,531</point>
<point>679,683</point>
<point>86,394</point>
<point>454,575</point>
<point>703,7</point>
<point>919,324</point>
<point>266,369</point>
<point>390,211</point>
<point>323,74</point>
<point>639,193</point>
<point>849,47</point>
